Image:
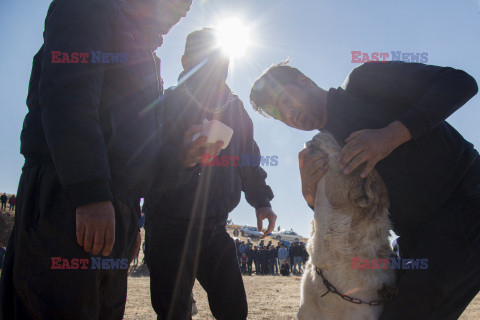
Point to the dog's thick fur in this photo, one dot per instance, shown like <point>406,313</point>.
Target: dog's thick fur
<point>351,220</point>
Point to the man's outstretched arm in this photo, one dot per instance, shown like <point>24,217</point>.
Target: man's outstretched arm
<point>257,193</point>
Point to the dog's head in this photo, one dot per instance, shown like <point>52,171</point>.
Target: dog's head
<point>347,191</point>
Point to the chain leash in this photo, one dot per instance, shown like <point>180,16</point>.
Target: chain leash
<point>386,293</point>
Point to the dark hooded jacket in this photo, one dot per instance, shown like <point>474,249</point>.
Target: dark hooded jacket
<point>211,191</point>
<point>93,100</point>
<point>422,174</point>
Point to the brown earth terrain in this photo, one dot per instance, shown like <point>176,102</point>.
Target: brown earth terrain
<point>269,297</point>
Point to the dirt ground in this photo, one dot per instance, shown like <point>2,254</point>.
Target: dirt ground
<point>6,224</point>
<point>269,297</point>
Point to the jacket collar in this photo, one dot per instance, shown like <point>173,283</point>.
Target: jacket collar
<point>147,27</point>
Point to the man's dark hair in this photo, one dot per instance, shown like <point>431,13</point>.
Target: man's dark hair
<point>270,84</point>
<point>201,43</point>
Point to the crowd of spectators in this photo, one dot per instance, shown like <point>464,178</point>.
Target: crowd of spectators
<point>263,259</point>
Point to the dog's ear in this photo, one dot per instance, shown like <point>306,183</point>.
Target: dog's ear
<point>364,194</point>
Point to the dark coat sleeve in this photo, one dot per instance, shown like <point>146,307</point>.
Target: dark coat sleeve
<point>169,174</point>
<point>69,97</point>
<point>257,193</point>
<point>430,93</point>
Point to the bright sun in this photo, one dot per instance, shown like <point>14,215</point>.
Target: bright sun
<point>234,37</point>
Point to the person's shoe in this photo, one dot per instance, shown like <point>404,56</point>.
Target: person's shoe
<point>194,309</point>
<point>194,306</point>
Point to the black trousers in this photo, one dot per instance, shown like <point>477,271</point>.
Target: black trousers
<point>249,266</point>
<point>45,228</point>
<point>176,255</point>
<point>451,243</point>
<point>264,266</point>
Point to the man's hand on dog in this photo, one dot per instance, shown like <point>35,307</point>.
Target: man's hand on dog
<point>192,151</point>
<point>313,166</point>
<point>266,213</point>
<point>372,145</point>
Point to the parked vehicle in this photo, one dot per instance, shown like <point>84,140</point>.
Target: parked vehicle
<point>286,235</point>
<point>250,231</point>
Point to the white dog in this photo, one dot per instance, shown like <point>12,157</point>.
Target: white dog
<point>350,233</point>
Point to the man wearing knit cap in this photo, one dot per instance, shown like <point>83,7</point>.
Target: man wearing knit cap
<point>186,231</point>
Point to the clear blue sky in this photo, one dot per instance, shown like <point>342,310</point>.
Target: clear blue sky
<point>318,37</point>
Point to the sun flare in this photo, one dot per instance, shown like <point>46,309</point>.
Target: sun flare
<point>233,37</point>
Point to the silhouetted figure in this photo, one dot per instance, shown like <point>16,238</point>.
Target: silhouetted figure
<point>4,200</point>
<point>285,268</point>
<point>90,155</point>
<point>12,203</point>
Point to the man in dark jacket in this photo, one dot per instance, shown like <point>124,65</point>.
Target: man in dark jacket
<point>285,268</point>
<point>295,253</point>
<point>89,141</point>
<point>391,116</point>
<point>251,257</point>
<point>12,201</point>
<point>4,199</point>
<point>305,255</point>
<point>260,260</point>
<point>263,253</point>
<point>272,257</point>
<point>186,226</point>
<point>256,259</point>
<point>291,252</point>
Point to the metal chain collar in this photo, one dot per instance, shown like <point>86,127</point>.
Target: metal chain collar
<point>386,293</point>
<point>218,109</point>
